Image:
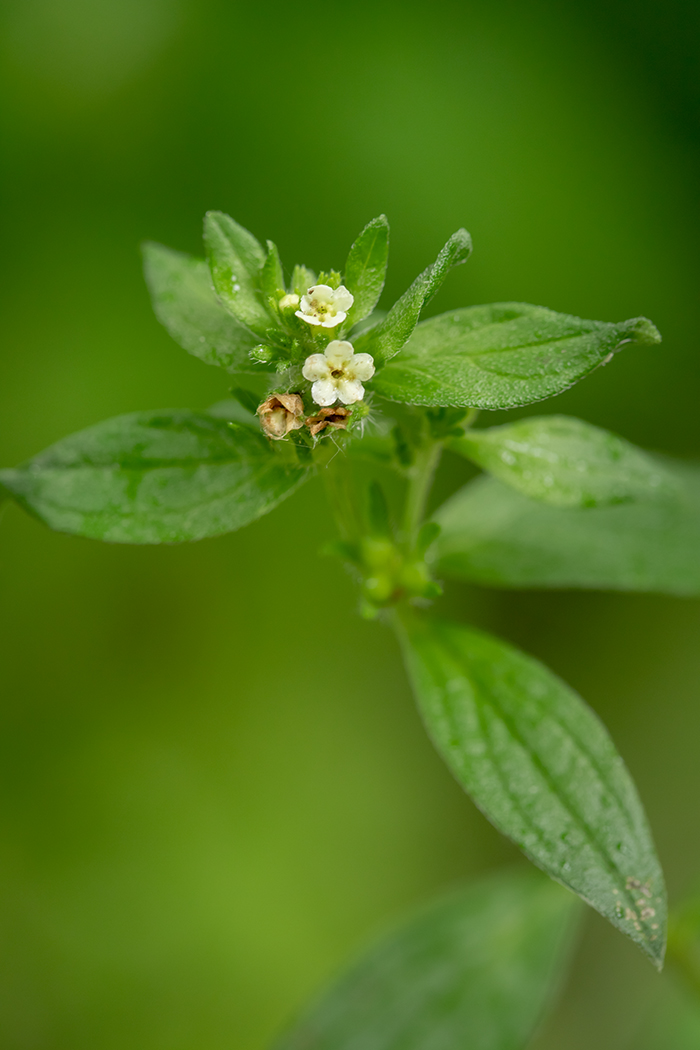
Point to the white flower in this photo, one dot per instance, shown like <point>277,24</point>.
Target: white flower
<point>322,305</point>
<point>338,374</point>
<point>287,301</point>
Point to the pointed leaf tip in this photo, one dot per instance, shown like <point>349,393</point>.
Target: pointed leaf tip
<point>644,332</point>
<point>543,769</point>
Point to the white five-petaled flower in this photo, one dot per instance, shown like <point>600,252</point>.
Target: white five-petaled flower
<point>338,374</point>
<point>325,306</point>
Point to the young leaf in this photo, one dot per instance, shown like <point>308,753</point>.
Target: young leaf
<point>499,538</point>
<point>503,355</point>
<point>541,766</point>
<point>565,462</point>
<point>155,477</point>
<point>271,276</point>
<point>236,260</point>
<point>185,304</point>
<point>302,279</point>
<point>385,339</point>
<point>365,269</point>
<point>476,968</point>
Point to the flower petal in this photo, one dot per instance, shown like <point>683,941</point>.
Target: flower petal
<point>362,366</point>
<point>350,390</point>
<point>339,353</point>
<point>309,318</point>
<point>322,293</point>
<point>332,320</point>
<point>342,298</point>
<point>324,392</point>
<point>316,367</point>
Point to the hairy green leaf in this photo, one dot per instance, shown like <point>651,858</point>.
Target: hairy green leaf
<point>497,537</point>
<point>502,356</point>
<point>541,766</point>
<point>565,462</point>
<point>185,304</point>
<point>236,260</point>
<point>473,969</point>
<point>155,477</point>
<point>385,339</point>
<point>365,269</point>
<point>302,279</point>
<point>271,275</point>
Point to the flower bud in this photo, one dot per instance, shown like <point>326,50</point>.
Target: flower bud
<point>281,413</point>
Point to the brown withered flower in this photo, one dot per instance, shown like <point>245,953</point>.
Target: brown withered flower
<point>281,413</point>
<point>329,417</point>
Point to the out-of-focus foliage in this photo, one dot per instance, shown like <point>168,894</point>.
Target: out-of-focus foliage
<point>198,829</point>
<point>480,964</point>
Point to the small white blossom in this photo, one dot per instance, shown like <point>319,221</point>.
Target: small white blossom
<point>338,374</point>
<point>288,301</point>
<point>325,306</point>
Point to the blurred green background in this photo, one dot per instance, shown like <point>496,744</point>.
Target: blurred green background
<point>214,783</point>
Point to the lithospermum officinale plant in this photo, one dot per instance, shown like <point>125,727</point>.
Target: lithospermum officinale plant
<point>321,378</point>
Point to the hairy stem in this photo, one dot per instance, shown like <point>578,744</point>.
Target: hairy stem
<point>420,481</point>
<point>339,492</point>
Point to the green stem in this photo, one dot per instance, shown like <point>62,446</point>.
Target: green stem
<point>420,481</point>
<point>334,471</point>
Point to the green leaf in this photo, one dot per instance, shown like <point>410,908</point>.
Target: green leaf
<point>272,277</point>
<point>385,340</point>
<point>497,537</point>
<point>185,304</point>
<point>236,260</point>
<point>474,969</point>
<point>541,766</point>
<point>365,269</point>
<point>565,462</point>
<point>503,355</point>
<point>155,477</point>
<point>302,279</point>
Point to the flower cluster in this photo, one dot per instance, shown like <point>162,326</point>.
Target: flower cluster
<point>336,375</point>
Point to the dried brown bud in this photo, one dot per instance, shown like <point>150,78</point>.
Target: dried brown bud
<point>281,413</point>
<point>329,417</point>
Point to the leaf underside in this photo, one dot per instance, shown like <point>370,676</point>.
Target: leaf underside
<point>542,767</point>
<point>503,355</point>
<point>475,968</point>
<point>499,538</point>
<point>154,477</point>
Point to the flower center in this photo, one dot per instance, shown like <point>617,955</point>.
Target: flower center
<point>337,373</point>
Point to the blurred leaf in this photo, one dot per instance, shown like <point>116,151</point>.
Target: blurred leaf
<point>497,537</point>
<point>271,276</point>
<point>378,510</point>
<point>502,355</point>
<point>386,338</point>
<point>185,304</point>
<point>565,462</point>
<point>672,1024</point>
<point>541,766</point>
<point>155,477</point>
<point>365,269</point>
<point>236,260</point>
<point>474,969</point>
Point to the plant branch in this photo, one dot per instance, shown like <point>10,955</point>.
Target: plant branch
<point>421,477</point>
